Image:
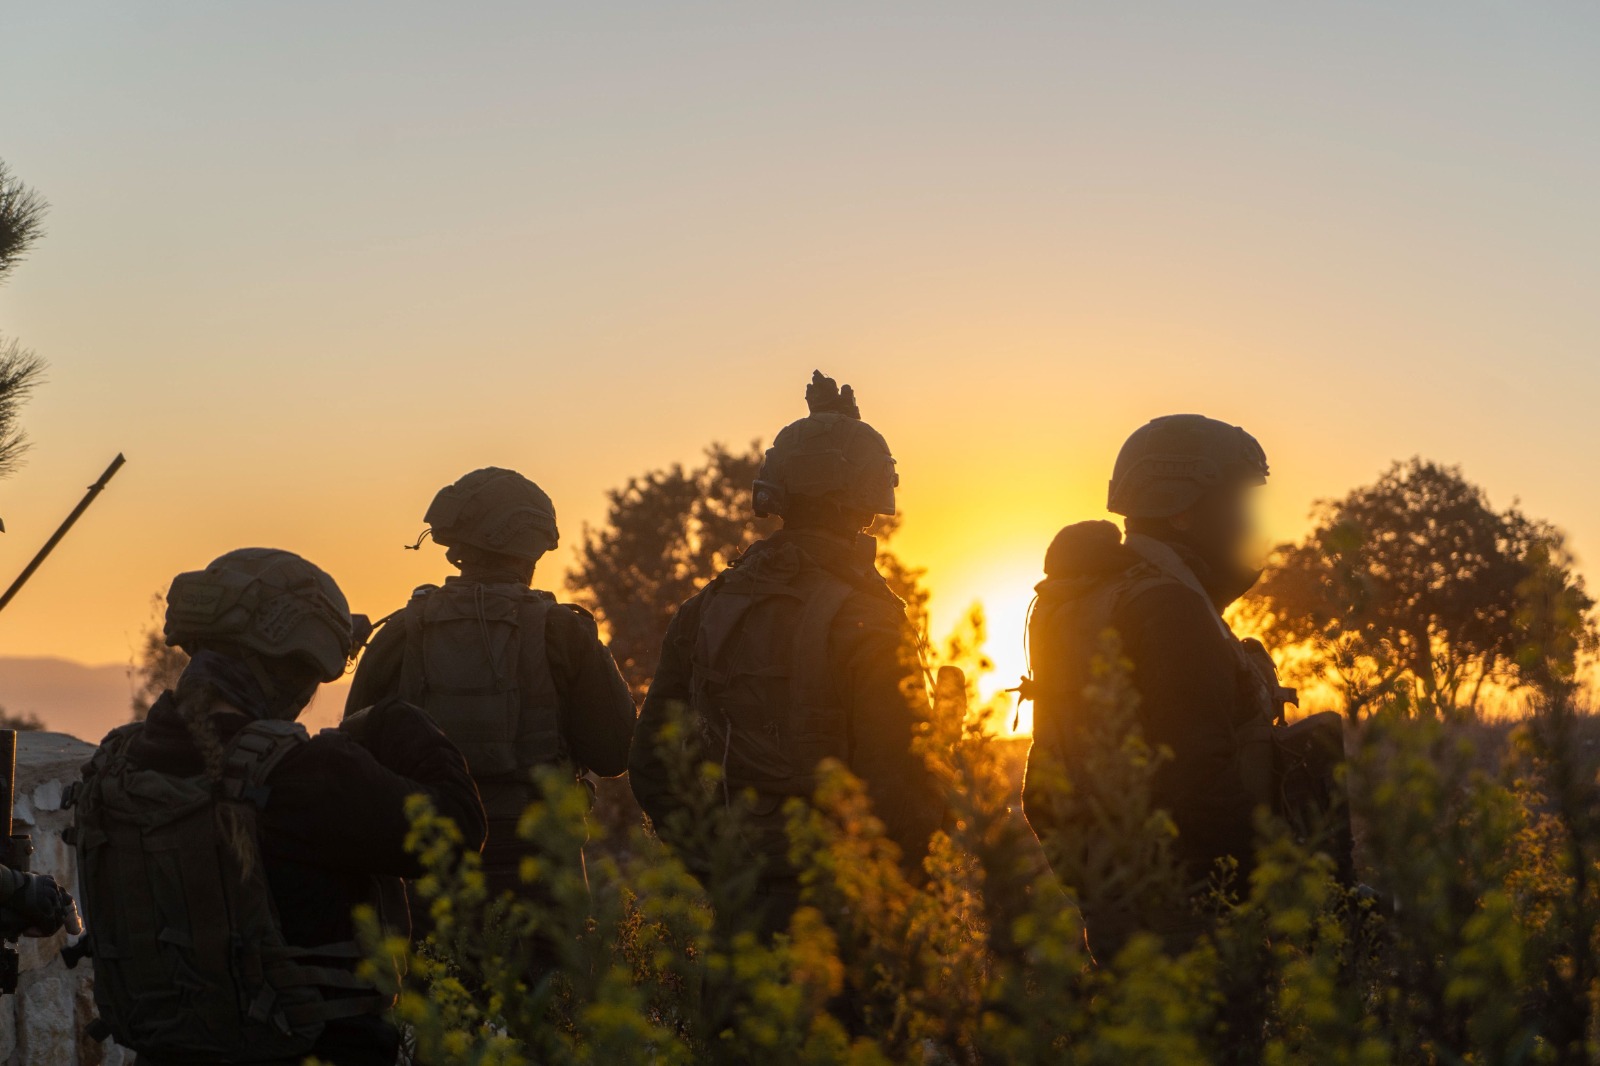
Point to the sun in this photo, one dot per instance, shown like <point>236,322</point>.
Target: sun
<point>1006,594</point>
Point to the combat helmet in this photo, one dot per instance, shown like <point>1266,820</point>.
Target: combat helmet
<point>496,510</point>
<point>1171,462</point>
<point>829,455</point>
<point>269,602</point>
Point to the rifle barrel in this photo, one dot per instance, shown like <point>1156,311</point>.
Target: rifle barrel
<point>61,530</point>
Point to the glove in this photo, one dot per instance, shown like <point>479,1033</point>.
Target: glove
<point>38,907</point>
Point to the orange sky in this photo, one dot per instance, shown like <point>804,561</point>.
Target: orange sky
<point>307,263</point>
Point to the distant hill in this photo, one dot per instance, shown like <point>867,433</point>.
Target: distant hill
<point>89,701</point>
<point>69,697</point>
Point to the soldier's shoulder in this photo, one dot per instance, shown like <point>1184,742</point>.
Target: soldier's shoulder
<point>1145,593</point>
<point>1169,612</point>
<point>571,622</point>
<point>871,607</point>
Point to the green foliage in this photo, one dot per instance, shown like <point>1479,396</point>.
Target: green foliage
<point>1478,945</point>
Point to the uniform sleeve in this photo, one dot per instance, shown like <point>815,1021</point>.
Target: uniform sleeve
<point>1186,675</point>
<point>884,695</point>
<point>597,712</point>
<point>648,773</point>
<point>340,804</point>
<point>377,677</point>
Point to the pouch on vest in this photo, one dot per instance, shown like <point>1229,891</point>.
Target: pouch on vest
<point>190,962</point>
<point>476,661</point>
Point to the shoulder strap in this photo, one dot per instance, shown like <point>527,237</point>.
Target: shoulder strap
<point>413,670</point>
<point>540,728</point>
<point>812,679</point>
<point>1164,559</point>
<point>256,751</point>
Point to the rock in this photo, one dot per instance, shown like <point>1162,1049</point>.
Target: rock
<point>48,1022</point>
<point>47,797</point>
<point>52,856</point>
<point>91,1052</point>
<point>8,1028</point>
<point>35,953</point>
<point>22,811</point>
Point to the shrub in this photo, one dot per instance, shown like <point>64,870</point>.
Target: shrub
<point>1477,946</point>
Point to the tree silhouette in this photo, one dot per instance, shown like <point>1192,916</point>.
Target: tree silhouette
<point>1416,580</point>
<point>155,666</point>
<point>22,721</point>
<point>22,213</point>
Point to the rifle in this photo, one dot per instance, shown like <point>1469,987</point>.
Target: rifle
<point>61,531</point>
<point>16,849</point>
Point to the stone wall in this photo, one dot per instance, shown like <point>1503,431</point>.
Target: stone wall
<point>43,1024</point>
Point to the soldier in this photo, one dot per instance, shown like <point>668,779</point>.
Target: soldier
<point>516,679</point>
<point>798,652</point>
<point>222,850</point>
<point>1184,485</point>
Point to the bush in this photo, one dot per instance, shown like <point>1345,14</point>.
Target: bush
<point>1478,946</point>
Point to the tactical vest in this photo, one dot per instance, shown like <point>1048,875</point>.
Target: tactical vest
<point>190,961</point>
<point>476,660</point>
<point>763,693</point>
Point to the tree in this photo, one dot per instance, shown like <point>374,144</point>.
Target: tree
<point>155,667</point>
<point>22,213</point>
<point>1416,580</point>
<point>22,723</point>
<point>669,532</point>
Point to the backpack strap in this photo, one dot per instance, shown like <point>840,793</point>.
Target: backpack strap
<point>813,682</point>
<point>256,751</point>
<point>1163,558</point>
<point>413,669</point>
<point>539,726</point>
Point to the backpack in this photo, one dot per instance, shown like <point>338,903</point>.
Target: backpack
<point>190,961</point>
<point>762,689</point>
<point>476,661</point>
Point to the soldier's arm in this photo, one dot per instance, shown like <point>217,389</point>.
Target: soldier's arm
<point>597,712</point>
<point>648,773</point>
<point>340,803</point>
<point>1186,676</point>
<point>377,677</point>
<point>884,693</point>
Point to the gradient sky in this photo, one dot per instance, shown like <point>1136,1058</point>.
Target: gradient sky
<point>308,262</point>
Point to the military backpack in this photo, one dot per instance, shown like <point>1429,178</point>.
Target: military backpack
<point>190,961</point>
<point>476,661</point>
